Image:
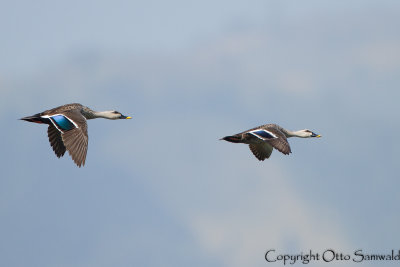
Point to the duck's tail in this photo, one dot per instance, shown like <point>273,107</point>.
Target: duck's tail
<point>232,139</point>
<point>35,118</point>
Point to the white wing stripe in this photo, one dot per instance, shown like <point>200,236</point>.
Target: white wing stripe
<point>267,135</point>
<point>48,117</point>
<point>55,125</point>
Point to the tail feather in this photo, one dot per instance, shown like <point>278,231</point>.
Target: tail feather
<point>232,139</point>
<point>35,118</point>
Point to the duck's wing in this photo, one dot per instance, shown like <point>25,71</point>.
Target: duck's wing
<point>72,129</point>
<point>262,151</point>
<point>76,139</point>
<point>273,136</point>
<point>281,144</point>
<point>56,141</point>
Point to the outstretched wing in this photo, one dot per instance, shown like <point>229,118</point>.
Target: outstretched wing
<point>76,139</point>
<point>281,144</point>
<point>68,131</point>
<point>274,137</point>
<point>56,141</point>
<point>262,151</point>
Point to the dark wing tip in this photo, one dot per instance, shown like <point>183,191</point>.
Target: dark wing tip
<point>260,158</point>
<point>261,151</point>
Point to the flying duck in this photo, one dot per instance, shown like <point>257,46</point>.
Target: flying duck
<point>263,139</point>
<point>68,128</point>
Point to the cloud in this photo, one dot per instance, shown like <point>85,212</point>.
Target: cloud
<point>269,214</point>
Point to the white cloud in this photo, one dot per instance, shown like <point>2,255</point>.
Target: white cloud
<point>272,214</point>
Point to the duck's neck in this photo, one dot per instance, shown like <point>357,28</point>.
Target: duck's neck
<point>103,114</point>
<point>91,114</point>
<point>293,133</point>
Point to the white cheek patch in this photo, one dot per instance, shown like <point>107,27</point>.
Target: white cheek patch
<point>263,134</point>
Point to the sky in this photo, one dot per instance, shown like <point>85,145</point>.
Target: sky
<point>162,189</point>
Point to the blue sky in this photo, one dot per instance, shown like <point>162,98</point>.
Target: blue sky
<point>161,189</point>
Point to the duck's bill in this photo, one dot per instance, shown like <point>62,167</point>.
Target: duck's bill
<point>125,117</point>
<point>315,135</point>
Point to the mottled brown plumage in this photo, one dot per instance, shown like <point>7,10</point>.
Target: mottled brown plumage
<point>68,128</point>
<point>263,139</point>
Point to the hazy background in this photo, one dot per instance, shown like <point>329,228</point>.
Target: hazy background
<point>161,189</point>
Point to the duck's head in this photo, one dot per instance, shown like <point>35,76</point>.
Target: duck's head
<point>114,115</point>
<point>307,133</point>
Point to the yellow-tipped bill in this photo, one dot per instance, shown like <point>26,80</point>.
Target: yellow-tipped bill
<point>314,135</point>
<point>125,117</point>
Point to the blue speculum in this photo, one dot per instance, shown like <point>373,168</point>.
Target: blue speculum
<point>62,122</point>
<point>264,134</point>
